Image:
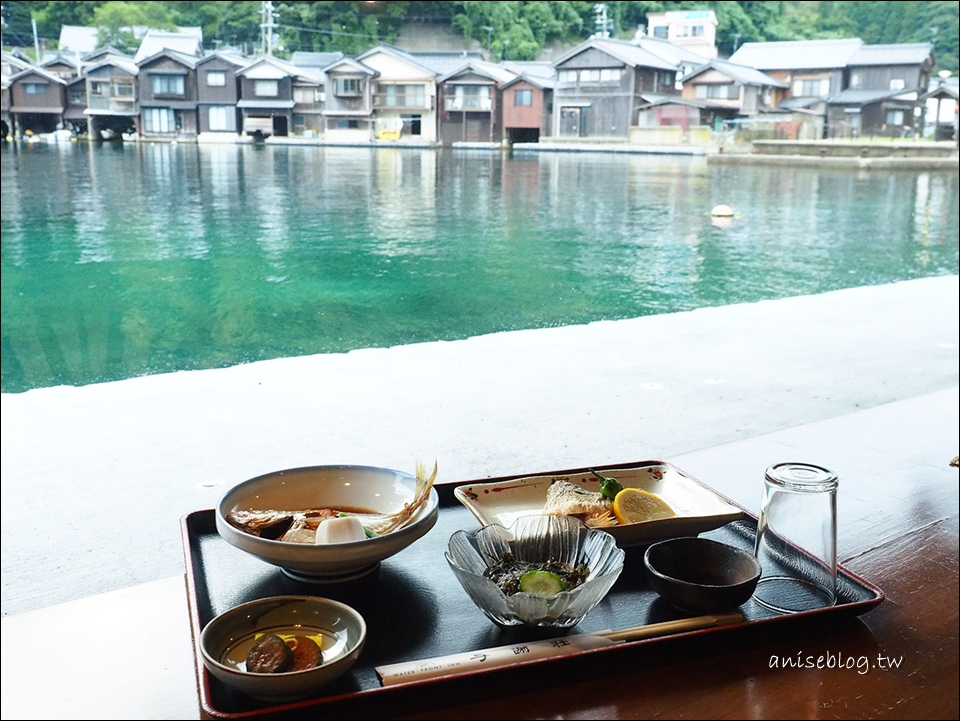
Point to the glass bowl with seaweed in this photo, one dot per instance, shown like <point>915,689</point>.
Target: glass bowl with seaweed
<point>547,571</point>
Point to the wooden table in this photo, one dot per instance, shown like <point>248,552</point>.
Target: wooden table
<point>128,653</point>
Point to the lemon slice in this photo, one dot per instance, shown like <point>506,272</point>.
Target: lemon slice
<point>633,505</point>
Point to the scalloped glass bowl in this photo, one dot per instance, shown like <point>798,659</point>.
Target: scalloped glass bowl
<point>536,539</point>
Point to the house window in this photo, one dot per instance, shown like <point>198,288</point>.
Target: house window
<point>811,88</point>
<point>101,89</point>
<point>894,117</point>
<point>401,96</point>
<point>610,75</point>
<point>123,89</point>
<point>78,95</point>
<point>897,84</point>
<point>299,123</point>
<point>168,85</point>
<point>567,76</point>
<point>348,124</point>
<point>266,88</point>
<point>305,96</point>
<point>159,120</point>
<point>696,31</point>
<point>660,31</point>
<point>35,88</point>
<point>216,79</point>
<point>222,119</point>
<point>665,79</point>
<point>589,76</point>
<point>523,97</point>
<point>468,97</point>
<point>347,86</point>
<point>718,92</point>
<point>856,79</point>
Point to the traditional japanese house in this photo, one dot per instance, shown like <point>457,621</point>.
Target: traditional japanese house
<point>63,65</point>
<point>868,113</point>
<point>348,110</point>
<point>311,97</point>
<point>404,95</point>
<point>470,102</point>
<point>883,96</point>
<point>10,65</point>
<point>599,85</point>
<point>527,101</point>
<point>75,116</point>
<point>270,90</point>
<point>218,93</point>
<point>168,96</point>
<point>37,102</point>
<point>729,91</point>
<point>112,97</point>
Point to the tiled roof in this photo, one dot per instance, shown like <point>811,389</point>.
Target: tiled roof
<point>184,40</point>
<point>943,88</point>
<point>862,97</point>
<point>797,54</point>
<point>741,73</point>
<point>669,51</point>
<point>899,54</point>
<point>446,62</point>
<point>626,52</point>
<point>314,60</point>
<point>189,60</point>
<point>492,70</point>
<point>123,63</point>
<point>397,53</point>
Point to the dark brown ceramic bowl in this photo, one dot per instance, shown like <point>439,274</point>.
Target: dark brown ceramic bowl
<point>701,575</point>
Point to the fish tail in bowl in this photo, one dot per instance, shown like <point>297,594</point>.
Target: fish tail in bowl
<point>393,521</point>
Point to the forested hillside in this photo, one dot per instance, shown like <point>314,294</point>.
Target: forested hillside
<point>510,30</point>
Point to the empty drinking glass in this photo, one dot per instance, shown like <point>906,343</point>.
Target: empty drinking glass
<point>797,538</point>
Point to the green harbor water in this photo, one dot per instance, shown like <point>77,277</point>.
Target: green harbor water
<point>125,260</point>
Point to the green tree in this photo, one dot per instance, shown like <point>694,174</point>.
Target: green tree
<point>122,23</point>
<point>51,16</point>
<point>237,24</point>
<point>17,24</point>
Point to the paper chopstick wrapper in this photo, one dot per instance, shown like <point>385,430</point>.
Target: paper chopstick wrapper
<point>490,658</point>
<point>408,671</point>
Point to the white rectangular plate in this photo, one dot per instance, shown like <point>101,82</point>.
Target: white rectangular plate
<point>698,508</point>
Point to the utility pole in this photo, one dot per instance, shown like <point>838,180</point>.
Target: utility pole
<point>36,42</point>
<point>268,17</point>
<point>603,22</point>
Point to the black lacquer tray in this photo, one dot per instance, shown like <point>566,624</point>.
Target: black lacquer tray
<point>415,609</point>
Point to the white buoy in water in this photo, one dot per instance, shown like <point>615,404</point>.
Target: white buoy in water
<point>722,211</point>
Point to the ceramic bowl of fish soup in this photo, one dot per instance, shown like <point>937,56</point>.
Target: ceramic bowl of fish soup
<point>507,572</point>
<point>336,628</point>
<point>277,517</point>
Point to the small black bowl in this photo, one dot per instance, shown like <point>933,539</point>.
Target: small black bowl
<point>701,575</point>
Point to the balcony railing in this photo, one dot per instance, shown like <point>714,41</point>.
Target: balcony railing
<point>467,104</point>
<point>100,102</point>
<point>401,102</point>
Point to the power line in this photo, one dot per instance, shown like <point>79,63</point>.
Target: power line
<point>327,32</point>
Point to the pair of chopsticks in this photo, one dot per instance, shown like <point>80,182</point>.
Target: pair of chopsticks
<point>409,671</point>
<point>666,628</point>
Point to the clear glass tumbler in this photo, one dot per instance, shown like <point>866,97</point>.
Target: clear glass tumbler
<point>797,538</point>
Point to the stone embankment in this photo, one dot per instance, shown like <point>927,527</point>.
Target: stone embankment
<point>843,153</point>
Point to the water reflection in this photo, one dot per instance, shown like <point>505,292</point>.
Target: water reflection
<point>145,258</point>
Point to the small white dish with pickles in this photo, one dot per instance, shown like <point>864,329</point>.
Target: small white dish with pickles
<point>693,507</point>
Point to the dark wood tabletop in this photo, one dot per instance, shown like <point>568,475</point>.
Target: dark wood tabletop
<point>897,529</point>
